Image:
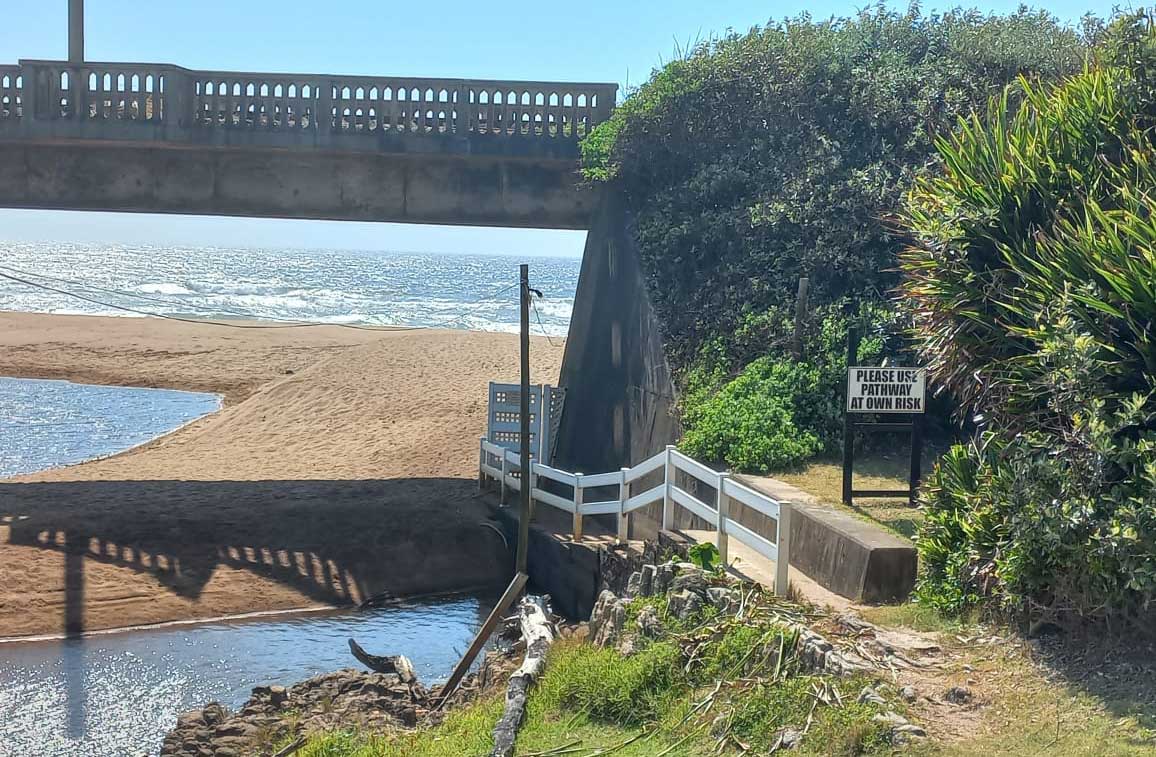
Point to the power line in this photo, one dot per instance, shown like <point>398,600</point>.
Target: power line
<point>541,326</point>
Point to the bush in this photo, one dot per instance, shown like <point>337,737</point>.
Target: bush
<point>783,152</point>
<point>750,423</point>
<point>778,412</point>
<point>1065,532</point>
<point>1032,287</point>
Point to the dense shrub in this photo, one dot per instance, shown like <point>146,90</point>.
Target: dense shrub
<point>778,411</point>
<point>779,153</point>
<point>764,157</point>
<point>1033,292</point>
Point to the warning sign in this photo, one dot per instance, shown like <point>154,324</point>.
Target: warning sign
<point>886,390</point>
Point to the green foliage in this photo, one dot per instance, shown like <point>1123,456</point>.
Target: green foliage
<point>1046,206</point>
<point>607,686</point>
<point>1033,289</point>
<point>705,555</point>
<point>763,157</point>
<point>1064,528</point>
<point>778,411</point>
<point>750,423</point>
<point>849,730</point>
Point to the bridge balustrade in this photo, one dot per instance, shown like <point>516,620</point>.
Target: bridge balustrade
<point>11,85</point>
<point>41,98</point>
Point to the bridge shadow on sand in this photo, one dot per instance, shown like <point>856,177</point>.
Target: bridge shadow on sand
<point>336,542</point>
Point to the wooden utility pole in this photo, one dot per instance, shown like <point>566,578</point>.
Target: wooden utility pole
<point>76,31</point>
<point>848,419</point>
<point>520,576</point>
<point>524,417</point>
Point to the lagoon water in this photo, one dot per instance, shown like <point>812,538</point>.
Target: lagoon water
<point>118,694</point>
<point>46,424</point>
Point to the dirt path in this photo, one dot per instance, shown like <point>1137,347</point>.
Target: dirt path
<point>342,467</point>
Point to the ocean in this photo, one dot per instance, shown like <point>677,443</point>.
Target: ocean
<point>463,291</point>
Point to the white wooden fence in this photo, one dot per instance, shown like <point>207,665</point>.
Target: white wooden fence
<point>503,465</point>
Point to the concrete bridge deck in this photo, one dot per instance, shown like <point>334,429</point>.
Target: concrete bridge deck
<point>162,138</point>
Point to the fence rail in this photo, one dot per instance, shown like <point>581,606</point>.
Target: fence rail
<point>503,465</point>
<point>198,101</point>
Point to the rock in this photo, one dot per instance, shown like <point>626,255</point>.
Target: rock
<point>722,598</point>
<point>889,718</point>
<point>646,581</point>
<point>278,694</point>
<point>683,604</point>
<point>607,619</point>
<point>634,584</point>
<point>870,696</point>
<point>958,695</point>
<point>911,729</point>
<point>663,575</point>
<point>649,624</point>
<point>628,646</point>
<point>339,700</point>
<point>689,579</point>
<point>908,694</point>
<point>788,738</point>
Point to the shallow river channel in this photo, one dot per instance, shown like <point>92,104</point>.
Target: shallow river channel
<point>118,694</point>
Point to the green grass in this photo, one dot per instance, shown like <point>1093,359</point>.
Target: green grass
<point>644,705</point>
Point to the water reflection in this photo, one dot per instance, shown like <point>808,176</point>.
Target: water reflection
<point>118,694</point>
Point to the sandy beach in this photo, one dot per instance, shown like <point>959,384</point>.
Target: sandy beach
<point>342,466</point>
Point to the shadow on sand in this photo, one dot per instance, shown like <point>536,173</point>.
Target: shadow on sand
<point>337,542</point>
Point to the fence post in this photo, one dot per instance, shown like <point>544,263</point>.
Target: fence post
<point>505,470</point>
<point>724,512</point>
<point>783,547</point>
<point>623,516</point>
<point>667,499</point>
<point>578,507</point>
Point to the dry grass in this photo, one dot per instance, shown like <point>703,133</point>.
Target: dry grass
<point>824,479</point>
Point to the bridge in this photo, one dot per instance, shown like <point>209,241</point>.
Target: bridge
<point>161,138</point>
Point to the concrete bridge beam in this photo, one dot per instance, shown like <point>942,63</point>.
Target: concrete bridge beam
<point>455,190</point>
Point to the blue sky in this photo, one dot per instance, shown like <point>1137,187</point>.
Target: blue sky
<point>588,40</point>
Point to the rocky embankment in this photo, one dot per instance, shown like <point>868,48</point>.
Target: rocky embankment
<point>342,700</point>
<point>274,714</point>
<point>680,603</point>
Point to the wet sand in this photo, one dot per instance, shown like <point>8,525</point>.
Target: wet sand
<point>341,467</point>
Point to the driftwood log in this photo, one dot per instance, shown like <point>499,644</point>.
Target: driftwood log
<point>538,633</point>
<point>398,665</point>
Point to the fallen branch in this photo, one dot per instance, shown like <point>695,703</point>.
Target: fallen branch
<point>538,633</point>
<point>398,665</point>
<point>292,748</point>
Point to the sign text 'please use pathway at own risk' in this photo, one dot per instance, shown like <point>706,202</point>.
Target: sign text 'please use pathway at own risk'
<point>886,390</point>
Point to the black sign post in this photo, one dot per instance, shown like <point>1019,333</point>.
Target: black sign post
<point>883,391</point>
